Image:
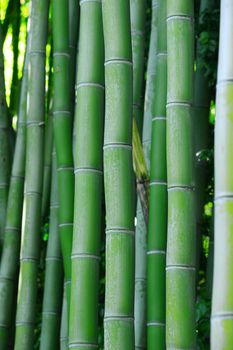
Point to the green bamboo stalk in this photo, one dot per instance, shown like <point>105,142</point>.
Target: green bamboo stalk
<point>138,19</point>
<point>30,246</point>
<point>83,330</point>
<point>15,46</point>
<point>222,299</point>
<point>62,122</point>
<point>64,323</point>
<point>73,39</point>
<point>141,229</point>
<point>5,163</point>
<point>180,274</point>
<point>53,286</point>
<point>48,142</point>
<point>157,229</point>
<point>11,248</point>
<point>118,177</point>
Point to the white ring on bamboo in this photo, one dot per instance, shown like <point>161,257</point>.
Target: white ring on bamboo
<point>52,313</point>
<point>118,60</point>
<point>226,196</point>
<point>222,316</point>
<point>28,193</point>
<point>151,324</point>
<point>117,145</point>
<point>157,183</point>
<point>179,103</point>
<point>183,17</point>
<point>37,52</point>
<point>181,267</point>
<point>118,318</point>
<point>156,252</point>
<point>83,345</point>
<point>53,258</point>
<point>83,1</point>
<point>162,53</point>
<point>79,85</point>
<point>181,188</point>
<point>85,256</point>
<point>89,170</point>
<point>62,112</point>
<point>119,230</point>
<point>65,54</point>
<point>66,224</point>
<point>31,259</point>
<point>158,118</point>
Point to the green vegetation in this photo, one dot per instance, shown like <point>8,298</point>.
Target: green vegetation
<point>109,237</point>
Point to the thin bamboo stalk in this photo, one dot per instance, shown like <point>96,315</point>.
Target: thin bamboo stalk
<point>141,229</point>
<point>83,330</point>
<point>73,39</point>
<point>138,19</point>
<point>181,256</point>
<point>53,286</point>
<point>64,323</point>
<point>30,246</point>
<point>157,229</point>
<point>222,299</point>
<point>11,248</point>
<point>63,132</point>
<point>5,162</point>
<point>118,177</point>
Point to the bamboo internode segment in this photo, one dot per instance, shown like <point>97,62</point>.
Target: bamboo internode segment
<point>11,248</point>
<point>118,176</point>
<point>62,124</point>
<point>89,121</point>
<point>222,304</point>
<point>180,272</point>
<point>30,246</point>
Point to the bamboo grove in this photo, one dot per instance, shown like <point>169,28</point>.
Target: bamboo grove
<point>116,177</point>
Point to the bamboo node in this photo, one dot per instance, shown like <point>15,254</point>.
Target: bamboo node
<point>155,324</point>
<point>118,61</point>
<point>83,345</point>
<point>155,252</point>
<point>85,256</point>
<point>83,1</point>
<point>80,85</point>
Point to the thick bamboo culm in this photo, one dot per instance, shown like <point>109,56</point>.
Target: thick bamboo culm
<point>30,245</point>
<point>11,247</point>
<point>180,269</point>
<point>157,229</point>
<point>118,177</point>
<point>62,122</point>
<point>89,118</point>
<point>222,299</point>
<point>53,286</point>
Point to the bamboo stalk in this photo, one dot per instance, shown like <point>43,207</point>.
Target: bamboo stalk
<point>64,323</point>
<point>83,330</point>
<point>63,132</point>
<point>138,17</point>
<point>222,299</point>
<point>180,270</point>
<point>118,177</point>
<point>53,286</point>
<point>11,248</point>
<point>141,229</point>
<point>157,229</point>
<point>30,246</point>
<point>5,163</point>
